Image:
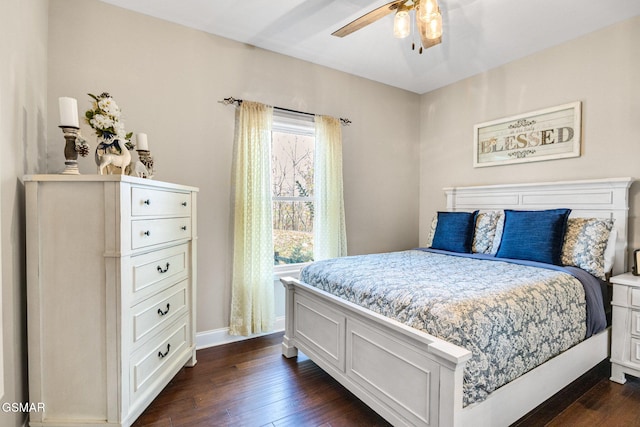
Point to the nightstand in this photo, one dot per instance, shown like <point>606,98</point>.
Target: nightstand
<point>625,337</point>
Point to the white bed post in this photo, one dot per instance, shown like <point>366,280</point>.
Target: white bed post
<point>288,349</point>
<point>450,408</point>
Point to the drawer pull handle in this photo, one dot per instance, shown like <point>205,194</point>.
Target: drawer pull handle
<point>147,202</point>
<point>161,354</point>
<point>162,313</point>
<point>184,204</point>
<point>147,233</point>
<point>163,270</point>
<point>184,228</point>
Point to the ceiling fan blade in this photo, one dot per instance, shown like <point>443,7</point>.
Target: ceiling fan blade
<point>368,18</point>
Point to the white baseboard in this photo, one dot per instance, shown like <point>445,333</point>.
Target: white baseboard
<point>221,336</point>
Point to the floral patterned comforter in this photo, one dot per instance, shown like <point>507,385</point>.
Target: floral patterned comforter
<point>511,317</point>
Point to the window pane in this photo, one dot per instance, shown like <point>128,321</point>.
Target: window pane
<point>292,165</point>
<point>292,232</point>
<point>292,183</point>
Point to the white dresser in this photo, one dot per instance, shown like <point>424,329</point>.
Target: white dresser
<point>625,338</point>
<point>111,290</point>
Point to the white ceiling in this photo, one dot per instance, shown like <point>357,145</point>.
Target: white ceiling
<point>478,34</point>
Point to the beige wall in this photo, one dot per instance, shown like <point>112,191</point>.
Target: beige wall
<point>167,79</point>
<point>599,69</point>
<point>23,79</point>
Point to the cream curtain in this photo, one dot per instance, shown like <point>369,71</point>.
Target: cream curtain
<point>329,231</point>
<point>252,299</point>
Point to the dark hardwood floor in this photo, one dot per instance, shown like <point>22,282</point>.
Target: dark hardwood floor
<point>249,383</point>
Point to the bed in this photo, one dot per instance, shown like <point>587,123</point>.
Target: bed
<point>411,377</point>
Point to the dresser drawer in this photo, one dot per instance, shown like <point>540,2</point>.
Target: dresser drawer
<point>147,201</point>
<point>158,270</point>
<point>635,350</point>
<point>151,232</point>
<point>153,362</point>
<point>634,324</point>
<point>634,297</point>
<point>151,315</point>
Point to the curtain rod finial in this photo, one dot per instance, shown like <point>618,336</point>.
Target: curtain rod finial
<point>230,100</point>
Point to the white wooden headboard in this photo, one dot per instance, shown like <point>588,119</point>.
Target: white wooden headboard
<point>599,198</point>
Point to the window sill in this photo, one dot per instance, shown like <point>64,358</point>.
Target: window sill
<point>290,270</point>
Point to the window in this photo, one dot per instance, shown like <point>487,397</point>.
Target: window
<point>292,161</point>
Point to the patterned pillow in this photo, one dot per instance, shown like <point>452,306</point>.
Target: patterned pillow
<point>498,237</point>
<point>432,231</point>
<point>488,223</point>
<point>585,242</point>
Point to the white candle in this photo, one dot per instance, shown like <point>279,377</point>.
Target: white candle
<point>142,143</point>
<point>68,112</point>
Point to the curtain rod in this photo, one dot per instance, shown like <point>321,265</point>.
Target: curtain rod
<point>237,102</point>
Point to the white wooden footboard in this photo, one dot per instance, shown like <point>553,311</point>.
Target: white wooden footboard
<point>407,376</point>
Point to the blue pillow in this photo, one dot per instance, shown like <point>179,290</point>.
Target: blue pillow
<point>534,235</point>
<point>454,231</point>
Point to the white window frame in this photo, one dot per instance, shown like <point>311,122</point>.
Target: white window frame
<point>300,124</point>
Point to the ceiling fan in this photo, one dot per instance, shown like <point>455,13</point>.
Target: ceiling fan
<point>428,21</point>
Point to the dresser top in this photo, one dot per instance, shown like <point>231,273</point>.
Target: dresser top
<point>107,178</point>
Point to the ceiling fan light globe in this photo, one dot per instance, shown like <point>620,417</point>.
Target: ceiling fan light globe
<point>401,24</point>
<point>426,8</point>
<point>433,29</point>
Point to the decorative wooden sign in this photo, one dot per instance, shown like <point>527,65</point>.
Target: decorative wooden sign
<point>552,133</point>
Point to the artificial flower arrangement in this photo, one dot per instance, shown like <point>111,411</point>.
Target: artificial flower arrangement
<point>114,143</point>
<point>104,118</point>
